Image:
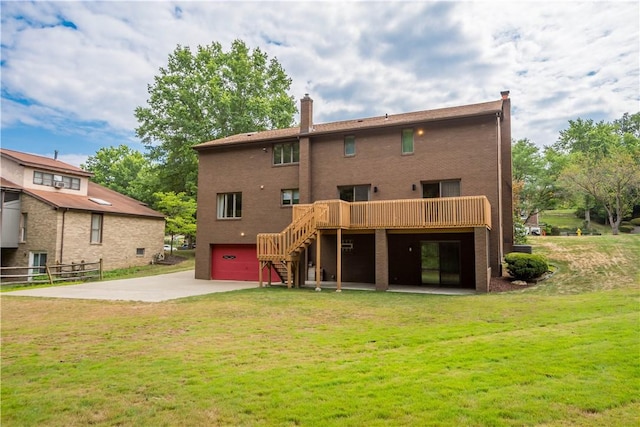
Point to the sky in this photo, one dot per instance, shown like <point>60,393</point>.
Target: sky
<point>73,72</point>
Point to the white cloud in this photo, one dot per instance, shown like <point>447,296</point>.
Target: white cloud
<point>559,60</point>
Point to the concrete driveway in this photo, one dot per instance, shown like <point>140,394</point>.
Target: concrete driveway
<point>163,287</point>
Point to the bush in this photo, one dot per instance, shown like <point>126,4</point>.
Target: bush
<point>635,221</point>
<point>525,266</point>
<point>626,228</point>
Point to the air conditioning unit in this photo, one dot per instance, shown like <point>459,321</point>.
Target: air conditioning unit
<point>58,184</point>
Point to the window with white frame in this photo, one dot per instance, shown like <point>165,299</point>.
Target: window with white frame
<point>54,180</point>
<point>229,205</point>
<point>349,146</point>
<point>286,153</point>
<point>23,227</point>
<point>407,141</point>
<point>96,228</point>
<point>290,197</point>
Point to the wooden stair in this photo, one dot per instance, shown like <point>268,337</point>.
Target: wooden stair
<point>282,251</point>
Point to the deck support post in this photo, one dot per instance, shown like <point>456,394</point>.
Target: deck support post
<point>339,261</point>
<point>289,274</point>
<point>318,258</point>
<point>262,265</point>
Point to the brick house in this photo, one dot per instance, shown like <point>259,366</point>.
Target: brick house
<point>51,213</point>
<point>421,198</point>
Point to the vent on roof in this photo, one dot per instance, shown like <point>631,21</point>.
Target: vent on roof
<point>99,201</point>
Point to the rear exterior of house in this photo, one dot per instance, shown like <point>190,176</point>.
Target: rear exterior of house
<point>421,198</point>
<point>52,214</point>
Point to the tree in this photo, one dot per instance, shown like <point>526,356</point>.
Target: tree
<point>206,95</point>
<point>534,179</point>
<point>124,170</point>
<point>180,210</point>
<point>613,181</point>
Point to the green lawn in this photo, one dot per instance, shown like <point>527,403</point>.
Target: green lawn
<point>566,220</point>
<point>562,353</point>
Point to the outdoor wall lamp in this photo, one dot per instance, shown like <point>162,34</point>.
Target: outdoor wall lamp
<point>375,189</point>
<point>264,149</point>
<point>413,187</point>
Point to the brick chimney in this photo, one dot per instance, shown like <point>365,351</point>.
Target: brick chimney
<point>306,114</point>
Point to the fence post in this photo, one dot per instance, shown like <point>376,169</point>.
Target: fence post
<point>49,274</point>
<point>101,269</point>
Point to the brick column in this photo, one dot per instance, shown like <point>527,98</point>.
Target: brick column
<point>382,260</point>
<point>481,253</point>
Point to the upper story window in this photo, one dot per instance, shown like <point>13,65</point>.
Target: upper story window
<point>290,197</point>
<point>354,193</point>
<point>407,141</point>
<point>54,180</point>
<point>349,146</point>
<point>96,228</point>
<point>23,227</point>
<point>286,153</point>
<point>450,188</point>
<point>229,205</point>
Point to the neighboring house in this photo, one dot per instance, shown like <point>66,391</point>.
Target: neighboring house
<point>421,198</point>
<point>51,213</point>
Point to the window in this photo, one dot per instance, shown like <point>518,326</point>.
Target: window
<point>349,146</point>
<point>354,193</point>
<point>407,141</point>
<point>23,228</point>
<point>50,180</point>
<point>96,228</point>
<point>289,197</point>
<point>229,205</point>
<point>449,188</point>
<point>139,251</point>
<point>37,263</point>
<point>286,153</point>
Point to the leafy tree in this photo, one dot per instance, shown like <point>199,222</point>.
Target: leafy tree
<point>534,179</point>
<point>613,181</point>
<point>124,170</point>
<point>205,95</point>
<point>180,210</point>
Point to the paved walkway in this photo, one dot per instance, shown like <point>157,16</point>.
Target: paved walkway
<point>182,284</point>
<point>163,287</point>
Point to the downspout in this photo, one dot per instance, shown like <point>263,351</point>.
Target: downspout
<point>500,231</point>
<point>62,235</point>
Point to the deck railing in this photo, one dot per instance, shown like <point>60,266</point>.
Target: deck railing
<point>445,212</point>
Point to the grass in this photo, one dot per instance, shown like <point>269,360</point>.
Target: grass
<point>566,220</point>
<point>564,353</point>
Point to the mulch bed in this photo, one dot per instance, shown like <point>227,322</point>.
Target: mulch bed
<point>171,260</point>
<point>504,284</point>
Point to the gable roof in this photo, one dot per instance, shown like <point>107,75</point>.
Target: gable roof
<point>41,162</point>
<point>118,203</point>
<point>472,110</point>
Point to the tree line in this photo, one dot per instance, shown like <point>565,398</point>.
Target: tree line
<point>592,167</point>
<point>209,94</point>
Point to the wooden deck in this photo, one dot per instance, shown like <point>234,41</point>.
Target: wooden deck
<point>438,213</point>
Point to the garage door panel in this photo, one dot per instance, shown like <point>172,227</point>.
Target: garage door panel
<point>236,262</point>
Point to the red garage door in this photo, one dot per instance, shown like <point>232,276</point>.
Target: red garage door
<point>237,262</point>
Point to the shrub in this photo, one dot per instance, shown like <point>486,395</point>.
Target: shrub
<point>635,221</point>
<point>626,228</point>
<point>525,266</point>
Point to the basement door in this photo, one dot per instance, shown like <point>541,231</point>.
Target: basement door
<point>440,262</point>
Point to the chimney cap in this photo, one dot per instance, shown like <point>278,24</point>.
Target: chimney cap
<point>505,94</point>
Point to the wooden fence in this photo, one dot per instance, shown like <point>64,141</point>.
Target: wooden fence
<point>50,274</point>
